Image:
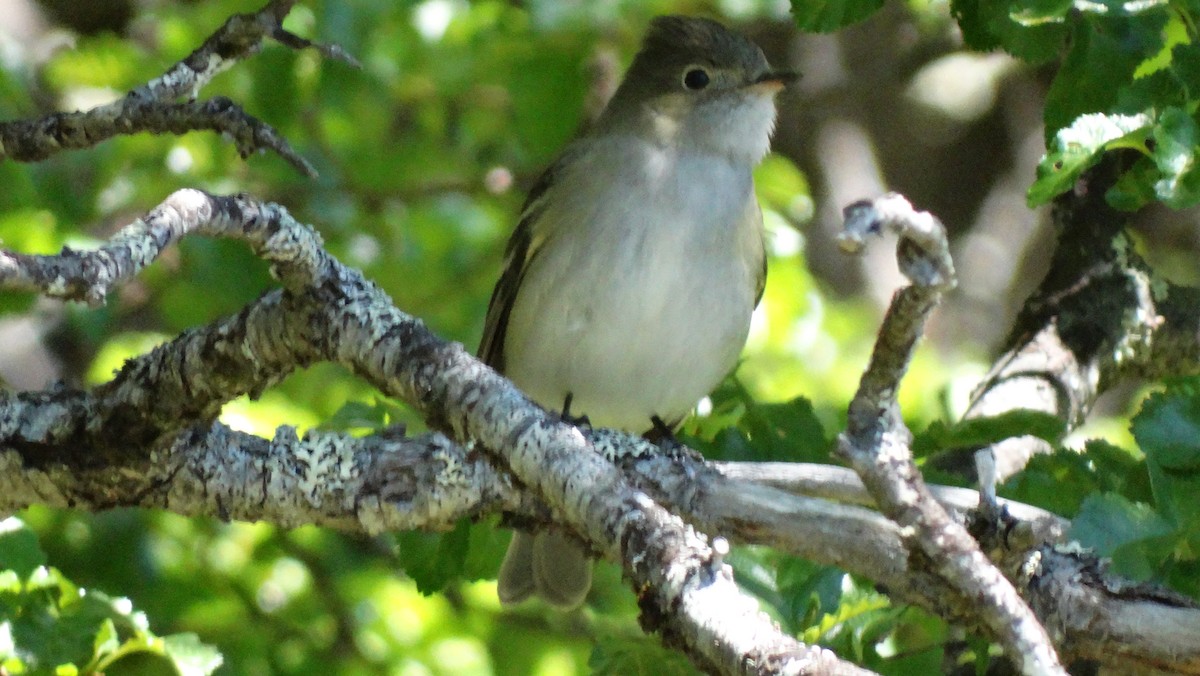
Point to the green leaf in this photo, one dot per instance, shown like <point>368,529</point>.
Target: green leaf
<point>849,612</point>
<point>1176,136</point>
<point>488,543</point>
<point>19,548</point>
<point>807,590</point>
<point>1135,188</point>
<point>1060,481</point>
<point>824,16</point>
<point>1033,31</point>
<point>1162,543</point>
<point>1149,558</point>
<point>1170,173</point>
<point>1108,521</point>
<point>53,630</point>
<point>754,570</point>
<point>1168,431</point>
<point>1168,77</point>
<point>984,431</point>
<point>1175,34</point>
<point>433,560</point>
<point>1105,52</point>
<point>56,627</point>
<point>1038,12</point>
<point>1118,470</point>
<point>190,656</point>
<point>789,431</point>
<point>1079,146</point>
<point>106,641</point>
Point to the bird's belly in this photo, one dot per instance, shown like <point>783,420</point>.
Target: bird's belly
<point>628,342</point>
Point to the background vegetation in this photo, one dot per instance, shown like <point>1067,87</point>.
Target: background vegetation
<point>424,155</point>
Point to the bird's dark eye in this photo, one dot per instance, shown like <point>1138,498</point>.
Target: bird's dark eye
<point>695,78</point>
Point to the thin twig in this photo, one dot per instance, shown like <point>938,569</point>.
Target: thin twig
<point>154,107</point>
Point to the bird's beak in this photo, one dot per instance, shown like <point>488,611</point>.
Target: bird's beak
<point>773,81</point>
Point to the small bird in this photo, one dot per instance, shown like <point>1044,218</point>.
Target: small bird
<point>629,282</point>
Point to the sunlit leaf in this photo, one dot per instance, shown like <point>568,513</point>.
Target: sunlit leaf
<point>19,548</point>
<point>191,657</point>
<point>1080,146</point>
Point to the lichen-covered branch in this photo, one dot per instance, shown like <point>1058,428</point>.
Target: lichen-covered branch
<point>89,275</point>
<point>876,441</point>
<point>1092,614</point>
<point>1099,317</point>
<point>838,484</point>
<point>371,484</point>
<point>391,482</point>
<point>154,106</point>
<point>327,311</point>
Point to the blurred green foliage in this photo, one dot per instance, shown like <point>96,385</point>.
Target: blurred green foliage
<point>424,155</point>
<point>52,626</point>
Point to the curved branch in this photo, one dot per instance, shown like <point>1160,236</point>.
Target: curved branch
<point>876,441</point>
<point>153,107</point>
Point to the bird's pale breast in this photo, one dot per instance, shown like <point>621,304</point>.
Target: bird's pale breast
<point>647,305</point>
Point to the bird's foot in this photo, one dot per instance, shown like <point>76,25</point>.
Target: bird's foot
<point>565,416</point>
<point>663,435</point>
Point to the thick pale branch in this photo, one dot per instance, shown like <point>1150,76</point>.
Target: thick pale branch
<point>876,442</point>
<point>154,106</point>
<point>389,482</point>
<point>838,484</point>
<point>1127,627</point>
<point>687,591</point>
<point>369,484</point>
